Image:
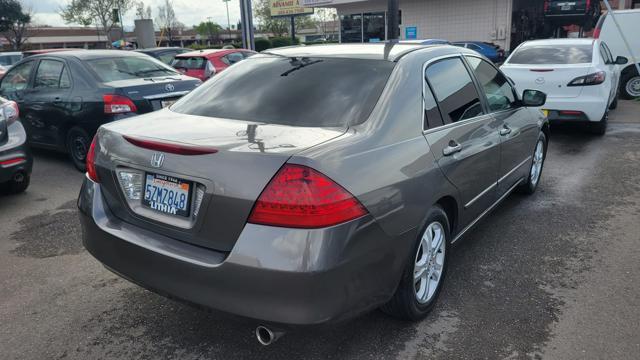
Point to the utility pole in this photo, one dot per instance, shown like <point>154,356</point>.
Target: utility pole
<point>226,2</point>
<point>246,18</point>
<point>393,9</point>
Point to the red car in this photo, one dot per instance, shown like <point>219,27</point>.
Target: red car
<point>203,64</point>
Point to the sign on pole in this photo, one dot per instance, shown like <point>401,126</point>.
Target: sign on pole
<point>288,8</point>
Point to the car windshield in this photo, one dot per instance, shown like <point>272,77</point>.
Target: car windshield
<point>192,62</point>
<point>295,91</point>
<point>552,55</point>
<point>129,67</point>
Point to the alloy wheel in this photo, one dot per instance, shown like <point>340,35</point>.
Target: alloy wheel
<point>538,159</point>
<point>633,86</point>
<point>429,263</point>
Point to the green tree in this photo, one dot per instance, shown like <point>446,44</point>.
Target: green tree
<point>95,12</point>
<point>210,30</point>
<point>14,22</point>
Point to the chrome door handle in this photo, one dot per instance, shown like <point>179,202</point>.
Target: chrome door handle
<point>505,130</point>
<point>453,148</point>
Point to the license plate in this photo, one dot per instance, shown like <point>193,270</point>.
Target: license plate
<point>565,7</point>
<point>167,103</point>
<point>545,112</point>
<point>167,194</point>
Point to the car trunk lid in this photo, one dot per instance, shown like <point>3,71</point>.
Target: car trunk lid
<point>150,94</point>
<point>550,79</point>
<point>242,158</point>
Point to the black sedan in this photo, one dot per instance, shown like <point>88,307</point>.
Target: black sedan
<point>65,96</point>
<point>15,158</point>
<point>164,54</point>
<point>580,12</point>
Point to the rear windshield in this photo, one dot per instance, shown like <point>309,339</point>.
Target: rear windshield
<point>8,60</point>
<point>314,92</point>
<point>124,68</point>
<point>192,62</point>
<point>553,55</point>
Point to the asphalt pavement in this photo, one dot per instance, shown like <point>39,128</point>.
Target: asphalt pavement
<point>554,275</point>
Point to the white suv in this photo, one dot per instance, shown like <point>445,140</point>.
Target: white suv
<point>579,76</point>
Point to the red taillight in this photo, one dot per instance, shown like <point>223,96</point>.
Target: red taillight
<point>301,197</point>
<point>13,161</point>
<point>570,112</point>
<point>587,80</point>
<point>91,160</point>
<point>117,104</point>
<point>546,5</point>
<point>171,147</point>
<point>596,33</point>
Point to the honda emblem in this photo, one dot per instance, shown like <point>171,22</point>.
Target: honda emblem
<point>157,159</point>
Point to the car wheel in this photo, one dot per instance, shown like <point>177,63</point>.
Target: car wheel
<point>78,142</point>
<point>425,270</point>
<point>535,171</point>
<point>614,103</point>
<point>630,86</point>
<point>600,127</point>
<point>19,183</point>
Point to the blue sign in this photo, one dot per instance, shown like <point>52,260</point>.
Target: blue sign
<point>411,32</point>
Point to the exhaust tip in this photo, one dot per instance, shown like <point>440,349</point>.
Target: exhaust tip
<point>264,335</point>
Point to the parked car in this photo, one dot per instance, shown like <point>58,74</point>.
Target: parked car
<point>311,204</point>
<point>606,31</point>
<point>15,158</point>
<point>580,12</point>
<point>8,59</point>
<point>580,77</point>
<point>46,51</point>
<point>164,54</point>
<point>489,50</point>
<point>203,64</point>
<point>426,42</point>
<point>65,96</point>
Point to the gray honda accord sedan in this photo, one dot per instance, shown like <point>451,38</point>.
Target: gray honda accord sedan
<point>308,185</point>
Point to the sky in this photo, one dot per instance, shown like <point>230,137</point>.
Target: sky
<point>189,12</point>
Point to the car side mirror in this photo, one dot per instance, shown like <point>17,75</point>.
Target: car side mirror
<point>621,60</point>
<point>533,98</point>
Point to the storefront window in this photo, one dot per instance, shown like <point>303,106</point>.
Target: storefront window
<point>368,27</point>
<point>373,27</point>
<point>351,28</point>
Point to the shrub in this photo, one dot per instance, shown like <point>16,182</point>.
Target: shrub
<point>283,41</point>
<point>262,44</point>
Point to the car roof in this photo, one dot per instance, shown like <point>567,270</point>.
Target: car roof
<point>157,49</point>
<point>207,52</point>
<point>374,51</point>
<point>95,54</point>
<point>10,53</point>
<point>551,42</point>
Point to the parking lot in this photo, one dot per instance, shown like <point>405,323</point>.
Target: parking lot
<point>554,275</point>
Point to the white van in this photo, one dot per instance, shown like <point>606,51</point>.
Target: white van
<point>607,31</point>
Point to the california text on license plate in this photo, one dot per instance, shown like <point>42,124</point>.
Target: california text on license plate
<point>167,194</point>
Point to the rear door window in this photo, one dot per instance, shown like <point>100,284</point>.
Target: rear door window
<point>294,91</point>
<point>17,78</point>
<point>552,55</point>
<point>454,90</point>
<point>48,74</point>
<point>233,58</point>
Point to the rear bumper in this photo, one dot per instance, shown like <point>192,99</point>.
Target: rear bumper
<point>282,276</point>
<point>591,107</point>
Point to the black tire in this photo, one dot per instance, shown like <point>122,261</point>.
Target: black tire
<point>78,142</point>
<point>600,127</point>
<point>529,186</point>
<point>404,304</point>
<point>18,184</point>
<point>626,78</point>
<point>614,103</point>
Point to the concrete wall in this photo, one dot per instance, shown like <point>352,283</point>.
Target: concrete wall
<point>454,20</point>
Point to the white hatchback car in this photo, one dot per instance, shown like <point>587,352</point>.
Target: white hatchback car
<point>579,76</point>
